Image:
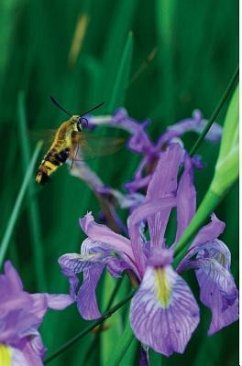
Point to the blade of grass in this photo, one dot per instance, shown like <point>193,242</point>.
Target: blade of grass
<point>14,215</point>
<point>217,110</point>
<point>119,27</point>
<point>33,211</point>
<point>121,81</point>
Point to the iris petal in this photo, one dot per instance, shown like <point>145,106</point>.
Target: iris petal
<point>163,184</point>
<point>86,297</point>
<point>109,238</point>
<point>218,291</point>
<point>186,199</point>
<point>164,313</point>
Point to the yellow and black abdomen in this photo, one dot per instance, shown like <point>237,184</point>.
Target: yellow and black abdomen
<point>52,160</point>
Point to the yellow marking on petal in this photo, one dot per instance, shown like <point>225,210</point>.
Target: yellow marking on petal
<point>78,38</point>
<point>162,287</point>
<point>5,355</point>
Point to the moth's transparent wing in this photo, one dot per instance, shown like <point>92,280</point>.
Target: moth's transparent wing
<point>46,135</point>
<point>91,146</point>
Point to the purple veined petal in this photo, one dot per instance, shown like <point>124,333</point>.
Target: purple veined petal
<point>138,183</point>
<point>218,292</point>
<point>34,351</point>
<point>206,236</point>
<point>16,325</point>
<point>116,266</point>
<point>164,313</point>
<point>12,302</point>
<point>78,262</point>
<point>143,212</point>
<point>43,301</point>
<point>18,358</point>
<point>162,184</point>
<point>109,238</point>
<point>58,302</point>
<point>10,280</point>
<point>216,250</point>
<point>195,124</point>
<point>86,297</point>
<point>140,141</point>
<point>186,199</point>
<point>209,232</point>
<point>72,278</point>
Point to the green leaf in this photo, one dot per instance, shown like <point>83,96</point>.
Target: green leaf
<point>19,200</point>
<point>227,167</point>
<point>121,81</point>
<point>122,345</point>
<point>33,212</point>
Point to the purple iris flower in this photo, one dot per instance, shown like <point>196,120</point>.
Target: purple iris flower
<point>21,314</point>
<point>164,312</point>
<point>140,142</point>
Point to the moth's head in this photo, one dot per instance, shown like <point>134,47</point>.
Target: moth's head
<point>79,122</point>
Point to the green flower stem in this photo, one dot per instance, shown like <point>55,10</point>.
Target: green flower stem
<point>122,346</point>
<point>207,206</point>
<point>33,212</point>
<point>217,110</point>
<point>13,218</point>
<point>86,331</point>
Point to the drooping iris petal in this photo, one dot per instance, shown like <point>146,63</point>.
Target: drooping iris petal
<point>86,297</point>
<point>211,261</point>
<point>92,265</point>
<point>91,262</point>
<point>163,184</point>
<point>218,291</point>
<point>186,198</point>
<point>164,313</point>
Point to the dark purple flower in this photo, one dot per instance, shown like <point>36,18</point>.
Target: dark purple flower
<point>141,143</point>
<point>164,312</point>
<point>21,314</point>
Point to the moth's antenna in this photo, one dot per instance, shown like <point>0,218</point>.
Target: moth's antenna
<point>54,101</point>
<point>57,104</point>
<point>92,109</point>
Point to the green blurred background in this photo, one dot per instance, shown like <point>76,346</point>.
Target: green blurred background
<point>179,57</point>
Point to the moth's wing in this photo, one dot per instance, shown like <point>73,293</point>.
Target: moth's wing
<point>46,135</point>
<point>92,146</point>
